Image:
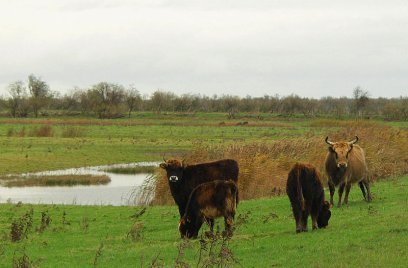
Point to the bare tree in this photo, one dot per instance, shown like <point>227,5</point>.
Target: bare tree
<point>39,91</point>
<point>17,103</point>
<point>132,99</point>
<point>106,99</point>
<point>360,100</point>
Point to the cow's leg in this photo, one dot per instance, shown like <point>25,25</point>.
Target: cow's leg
<point>332,189</point>
<point>367,186</point>
<point>305,215</point>
<point>229,221</point>
<point>362,189</point>
<point>297,214</point>
<point>341,189</point>
<point>348,187</point>
<point>210,223</point>
<point>315,209</point>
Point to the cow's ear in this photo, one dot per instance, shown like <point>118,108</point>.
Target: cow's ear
<point>331,149</point>
<point>163,165</point>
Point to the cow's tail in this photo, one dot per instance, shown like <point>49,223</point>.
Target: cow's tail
<point>236,196</point>
<point>299,188</point>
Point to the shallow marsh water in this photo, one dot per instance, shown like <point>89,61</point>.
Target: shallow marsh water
<point>122,190</point>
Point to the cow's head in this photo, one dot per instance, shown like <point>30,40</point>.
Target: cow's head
<point>174,169</point>
<point>187,228</point>
<point>341,151</point>
<point>324,215</point>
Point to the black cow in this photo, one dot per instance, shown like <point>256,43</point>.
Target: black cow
<point>208,201</point>
<point>306,194</point>
<point>183,179</point>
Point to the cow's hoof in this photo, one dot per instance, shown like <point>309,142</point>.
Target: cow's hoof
<point>226,234</point>
<point>209,234</point>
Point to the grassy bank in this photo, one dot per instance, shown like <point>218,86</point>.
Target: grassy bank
<point>54,180</point>
<point>359,235</point>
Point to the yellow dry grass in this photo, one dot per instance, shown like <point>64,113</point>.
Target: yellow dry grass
<point>264,167</point>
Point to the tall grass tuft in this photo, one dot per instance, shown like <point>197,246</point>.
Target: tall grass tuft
<point>72,132</point>
<point>264,166</point>
<point>43,131</point>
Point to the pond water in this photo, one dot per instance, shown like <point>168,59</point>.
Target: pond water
<point>122,190</point>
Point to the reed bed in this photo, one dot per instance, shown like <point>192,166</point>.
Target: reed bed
<point>58,180</point>
<point>131,170</point>
<point>264,166</point>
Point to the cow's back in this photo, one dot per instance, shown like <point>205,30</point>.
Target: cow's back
<point>310,182</point>
<point>357,166</point>
<point>219,170</point>
<point>215,196</point>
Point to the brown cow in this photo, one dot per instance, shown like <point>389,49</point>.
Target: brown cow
<point>210,200</point>
<point>306,194</point>
<point>345,165</point>
<point>183,179</point>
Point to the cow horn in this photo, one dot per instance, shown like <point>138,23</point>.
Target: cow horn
<point>328,142</point>
<point>164,159</point>
<point>353,141</point>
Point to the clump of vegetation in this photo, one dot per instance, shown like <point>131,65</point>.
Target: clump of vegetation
<point>64,219</point>
<point>21,226</point>
<point>72,132</point>
<point>22,262</point>
<point>136,231</point>
<point>98,254</point>
<point>131,170</point>
<point>54,180</point>
<point>264,165</point>
<point>43,131</point>
<point>45,221</point>
<point>84,224</point>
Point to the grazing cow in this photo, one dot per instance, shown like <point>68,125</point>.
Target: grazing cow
<point>345,165</point>
<point>183,179</point>
<point>306,194</point>
<point>208,201</point>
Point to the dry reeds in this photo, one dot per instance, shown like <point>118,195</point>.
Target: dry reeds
<point>264,166</point>
<point>58,180</point>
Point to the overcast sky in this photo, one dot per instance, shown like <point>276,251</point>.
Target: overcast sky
<point>239,47</point>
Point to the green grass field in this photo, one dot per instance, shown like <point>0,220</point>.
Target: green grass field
<point>144,137</point>
<point>359,235</point>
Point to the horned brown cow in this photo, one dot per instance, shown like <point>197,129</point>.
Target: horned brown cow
<point>209,201</point>
<point>345,165</point>
<point>183,179</point>
<point>306,194</point>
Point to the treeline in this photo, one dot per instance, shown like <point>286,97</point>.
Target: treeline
<point>110,100</point>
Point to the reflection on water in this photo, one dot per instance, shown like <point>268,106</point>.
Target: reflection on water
<point>120,191</point>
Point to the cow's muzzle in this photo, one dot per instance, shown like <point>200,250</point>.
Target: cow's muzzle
<point>173,178</point>
<point>342,165</point>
